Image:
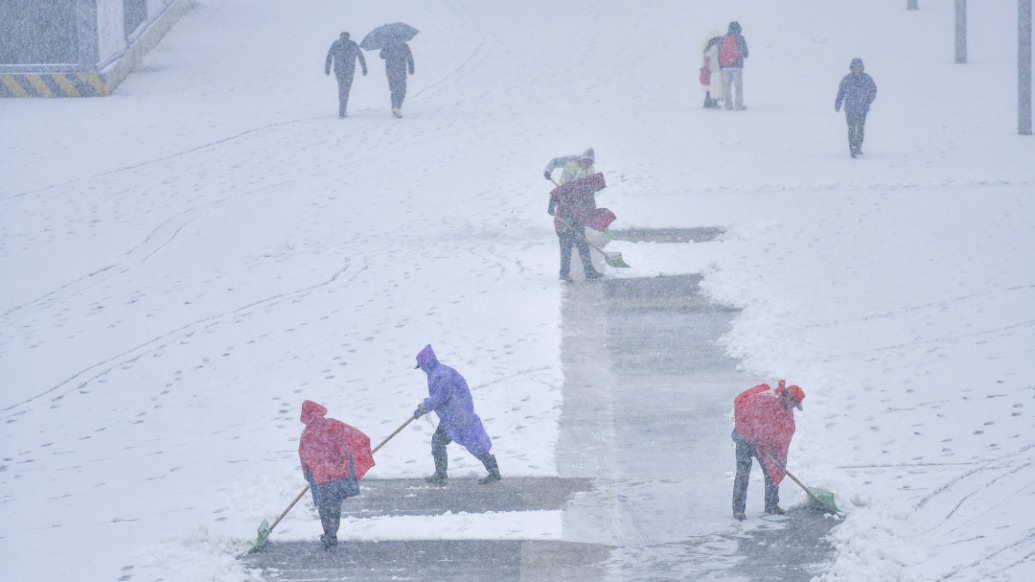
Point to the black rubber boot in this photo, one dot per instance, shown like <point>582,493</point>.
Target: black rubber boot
<point>438,453</point>
<point>490,465</point>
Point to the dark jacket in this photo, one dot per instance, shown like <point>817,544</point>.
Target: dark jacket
<point>344,55</point>
<point>742,47</point>
<point>397,58</point>
<point>856,92</point>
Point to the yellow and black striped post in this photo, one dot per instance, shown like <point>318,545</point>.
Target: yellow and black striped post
<point>52,85</point>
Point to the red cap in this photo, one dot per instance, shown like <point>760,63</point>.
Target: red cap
<point>796,393</point>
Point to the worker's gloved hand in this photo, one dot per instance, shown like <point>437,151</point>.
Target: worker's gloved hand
<point>418,413</point>
<point>547,175</point>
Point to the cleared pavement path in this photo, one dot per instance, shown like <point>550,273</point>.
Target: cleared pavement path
<point>644,460</point>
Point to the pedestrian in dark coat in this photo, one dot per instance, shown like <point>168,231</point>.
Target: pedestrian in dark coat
<point>343,53</point>
<point>763,428</point>
<point>450,398</point>
<point>857,91</point>
<point>732,52</point>
<point>398,59</point>
<point>334,458</point>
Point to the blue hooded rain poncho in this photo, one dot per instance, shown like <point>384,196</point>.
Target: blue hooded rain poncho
<point>450,398</point>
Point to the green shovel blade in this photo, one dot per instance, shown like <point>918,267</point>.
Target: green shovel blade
<point>264,534</point>
<point>824,499</point>
<point>615,260</point>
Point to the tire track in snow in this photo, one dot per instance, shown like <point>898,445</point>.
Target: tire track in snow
<point>937,340</point>
<point>94,371</point>
<point>195,149</point>
<point>155,241</point>
<point>990,295</point>
<point>991,465</point>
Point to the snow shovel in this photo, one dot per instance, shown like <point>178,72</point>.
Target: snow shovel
<point>819,498</point>
<point>265,529</point>
<point>613,259</point>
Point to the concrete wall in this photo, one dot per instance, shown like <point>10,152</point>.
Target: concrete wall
<point>78,48</point>
<point>111,35</point>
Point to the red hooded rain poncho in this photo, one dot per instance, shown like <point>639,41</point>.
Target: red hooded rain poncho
<point>763,420</point>
<point>326,445</point>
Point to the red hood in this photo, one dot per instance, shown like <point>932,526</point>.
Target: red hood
<point>312,411</point>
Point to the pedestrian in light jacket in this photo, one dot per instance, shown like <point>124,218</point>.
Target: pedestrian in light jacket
<point>398,59</point>
<point>450,399</point>
<point>763,428</point>
<point>344,53</point>
<point>713,91</point>
<point>857,92</point>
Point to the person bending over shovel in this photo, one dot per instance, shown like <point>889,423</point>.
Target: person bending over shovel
<point>450,398</point>
<point>567,208</point>
<point>335,457</point>
<point>763,427</point>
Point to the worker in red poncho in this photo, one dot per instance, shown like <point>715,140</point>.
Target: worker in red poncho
<point>763,425</point>
<point>334,457</point>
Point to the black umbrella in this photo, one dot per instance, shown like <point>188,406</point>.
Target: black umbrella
<point>387,35</point>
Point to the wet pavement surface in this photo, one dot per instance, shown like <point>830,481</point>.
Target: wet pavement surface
<point>644,463</point>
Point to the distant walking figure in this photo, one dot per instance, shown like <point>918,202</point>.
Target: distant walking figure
<point>857,91</point>
<point>732,52</point>
<point>343,54</point>
<point>713,89</point>
<point>398,59</point>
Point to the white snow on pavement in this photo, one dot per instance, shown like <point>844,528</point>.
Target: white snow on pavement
<point>187,260</point>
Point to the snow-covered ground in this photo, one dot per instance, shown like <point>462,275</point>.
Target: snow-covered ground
<point>187,260</point>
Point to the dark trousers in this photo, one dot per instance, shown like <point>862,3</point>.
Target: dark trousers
<point>745,452</point>
<point>397,85</point>
<point>439,441</point>
<point>344,86</point>
<point>328,498</point>
<point>576,238</point>
<point>856,124</point>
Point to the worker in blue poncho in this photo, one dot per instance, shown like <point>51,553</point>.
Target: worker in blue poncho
<point>450,398</point>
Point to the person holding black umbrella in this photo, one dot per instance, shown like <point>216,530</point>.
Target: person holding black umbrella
<point>343,53</point>
<point>398,59</point>
<point>391,40</point>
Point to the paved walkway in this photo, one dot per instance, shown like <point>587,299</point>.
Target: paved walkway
<point>644,462</point>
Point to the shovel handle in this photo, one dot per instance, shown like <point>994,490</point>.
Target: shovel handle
<point>306,489</point>
<point>583,237</point>
<point>285,512</point>
<point>791,475</point>
<point>408,421</point>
